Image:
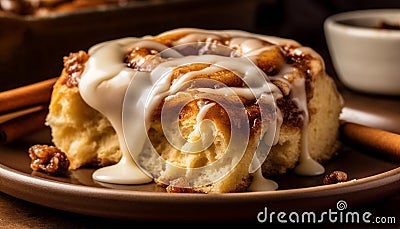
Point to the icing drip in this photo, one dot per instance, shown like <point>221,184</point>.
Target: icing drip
<point>259,183</point>
<point>103,87</point>
<point>307,166</point>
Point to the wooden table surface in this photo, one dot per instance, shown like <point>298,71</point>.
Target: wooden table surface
<point>16,213</point>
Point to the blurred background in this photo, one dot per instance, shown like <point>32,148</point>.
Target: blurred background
<point>35,35</point>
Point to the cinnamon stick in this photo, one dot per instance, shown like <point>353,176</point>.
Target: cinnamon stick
<point>33,94</point>
<point>23,125</point>
<point>379,141</point>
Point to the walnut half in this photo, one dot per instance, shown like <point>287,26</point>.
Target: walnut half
<point>335,177</point>
<point>49,159</point>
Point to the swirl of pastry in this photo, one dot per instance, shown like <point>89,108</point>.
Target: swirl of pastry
<point>197,116</point>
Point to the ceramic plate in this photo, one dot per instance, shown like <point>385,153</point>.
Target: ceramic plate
<point>370,178</point>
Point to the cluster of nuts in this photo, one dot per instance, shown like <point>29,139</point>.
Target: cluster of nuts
<point>48,159</point>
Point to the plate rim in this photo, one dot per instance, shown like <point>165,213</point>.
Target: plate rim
<point>67,196</point>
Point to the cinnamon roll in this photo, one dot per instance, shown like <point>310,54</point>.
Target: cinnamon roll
<point>196,110</point>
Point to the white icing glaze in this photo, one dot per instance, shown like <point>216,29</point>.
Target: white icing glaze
<point>260,183</point>
<point>106,79</point>
<point>203,134</point>
<point>103,87</point>
<point>307,166</point>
